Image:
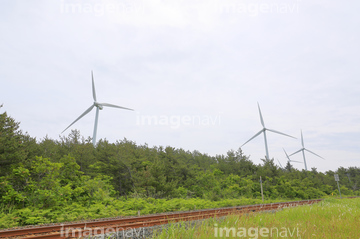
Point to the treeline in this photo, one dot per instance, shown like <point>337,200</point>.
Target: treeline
<point>52,173</point>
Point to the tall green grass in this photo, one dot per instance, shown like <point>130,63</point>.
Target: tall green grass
<point>331,218</point>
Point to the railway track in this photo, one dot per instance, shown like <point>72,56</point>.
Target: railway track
<point>77,230</point>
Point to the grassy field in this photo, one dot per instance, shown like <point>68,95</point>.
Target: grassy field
<point>331,218</point>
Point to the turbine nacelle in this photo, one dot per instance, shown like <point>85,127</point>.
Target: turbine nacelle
<point>98,105</point>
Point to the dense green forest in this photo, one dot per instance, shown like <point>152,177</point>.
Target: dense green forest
<point>54,173</point>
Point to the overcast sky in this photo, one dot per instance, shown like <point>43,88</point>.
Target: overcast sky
<point>193,70</point>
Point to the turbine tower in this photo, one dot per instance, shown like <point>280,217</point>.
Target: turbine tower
<point>99,106</point>
<point>303,151</point>
<point>264,131</point>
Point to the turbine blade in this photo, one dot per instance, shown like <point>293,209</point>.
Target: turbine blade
<point>252,137</point>
<point>82,115</point>
<point>261,118</point>
<point>114,106</point>
<point>296,152</point>
<point>295,161</point>
<point>93,86</point>
<point>314,153</point>
<point>279,163</point>
<point>274,131</point>
<point>286,155</point>
<point>302,140</point>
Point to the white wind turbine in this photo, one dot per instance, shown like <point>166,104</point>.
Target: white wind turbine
<point>287,156</point>
<point>264,131</point>
<point>303,151</point>
<point>99,106</point>
<point>280,164</point>
<point>289,160</point>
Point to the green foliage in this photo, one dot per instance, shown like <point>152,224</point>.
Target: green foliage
<point>110,208</point>
<point>13,143</point>
<point>70,174</point>
<point>45,184</point>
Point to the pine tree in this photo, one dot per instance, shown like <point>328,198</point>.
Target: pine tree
<point>12,147</point>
